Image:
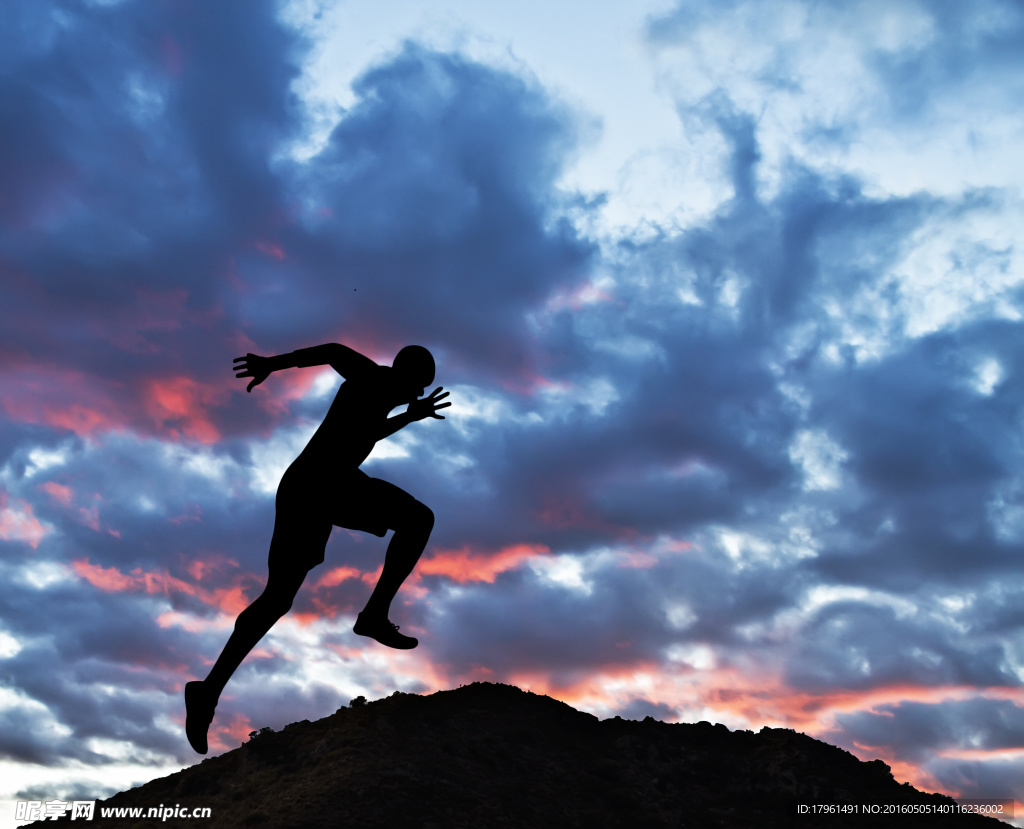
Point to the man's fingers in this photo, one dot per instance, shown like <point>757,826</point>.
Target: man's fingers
<point>442,405</point>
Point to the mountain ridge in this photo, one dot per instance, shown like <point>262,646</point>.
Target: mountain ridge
<point>495,755</point>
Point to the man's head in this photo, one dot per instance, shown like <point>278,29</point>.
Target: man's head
<point>415,366</point>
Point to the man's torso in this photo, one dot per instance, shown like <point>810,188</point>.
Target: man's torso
<point>353,423</point>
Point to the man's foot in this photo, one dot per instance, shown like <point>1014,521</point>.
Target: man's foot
<point>199,710</point>
<point>384,632</point>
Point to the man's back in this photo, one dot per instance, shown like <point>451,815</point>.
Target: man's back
<point>355,421</point>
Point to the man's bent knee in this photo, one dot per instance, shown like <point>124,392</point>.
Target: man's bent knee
<point>279,605</point>
<point>417,517</point>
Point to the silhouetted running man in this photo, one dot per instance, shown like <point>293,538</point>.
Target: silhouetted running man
<point>325,487</point>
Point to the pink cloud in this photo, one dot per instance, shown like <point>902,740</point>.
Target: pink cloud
<point>180,406</point>
<point>108,579</point>
<point>60,493</point>
<point>337,575</point>
<point>17,523</point>
<point>464,565</point>
<point>90,517</point>
<point>231,599</point>
<point>61,398</point>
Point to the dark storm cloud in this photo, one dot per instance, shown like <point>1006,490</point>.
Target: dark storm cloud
<point>855,645</point>
<point>699,393</point>
<point>931,452</point>
<point>430,211</point>
<point>616,613</point>
<point>916,730</point>
<point>982,779</point>
<point>161,117</point>
<point>523,624</point>
<point>176,225</point>
<point>143,135</point>
<point>934,734</point>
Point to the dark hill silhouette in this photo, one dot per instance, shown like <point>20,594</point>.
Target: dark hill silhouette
<point>488,755</point>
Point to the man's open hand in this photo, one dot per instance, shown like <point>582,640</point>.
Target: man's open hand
<point>252,365</point>
<point>428,406</point>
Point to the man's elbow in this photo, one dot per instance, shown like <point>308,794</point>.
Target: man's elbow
<point>346,361</point>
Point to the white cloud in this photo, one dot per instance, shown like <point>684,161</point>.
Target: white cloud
<point>819,457</point>
<point>566,571</point>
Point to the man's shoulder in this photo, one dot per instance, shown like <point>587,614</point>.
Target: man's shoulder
<point>371,373</point>
<point>372,380</point>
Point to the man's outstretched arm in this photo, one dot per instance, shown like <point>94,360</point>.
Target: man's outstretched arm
<point>344,360</point>
<point>418,410</point>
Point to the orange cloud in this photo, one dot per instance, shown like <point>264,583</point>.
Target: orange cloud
<point>108,579</point>
<point>464,565</point>
<point>336,576</point>
<point>200,568</point>
<point>180,406</point>
<point>230,600</point>
<point>226,737</point>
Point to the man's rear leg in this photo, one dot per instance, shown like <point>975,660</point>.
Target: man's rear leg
<point>407,545</point>
<point>251,625</point>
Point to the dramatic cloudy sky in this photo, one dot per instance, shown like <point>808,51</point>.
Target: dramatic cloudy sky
<point>728,296</point>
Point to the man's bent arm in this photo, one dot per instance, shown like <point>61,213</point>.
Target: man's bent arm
<point>419,409</point>
<point>344,360</point>
<point>393,424</point>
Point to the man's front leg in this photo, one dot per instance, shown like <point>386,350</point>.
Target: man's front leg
<point>405,549</point>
